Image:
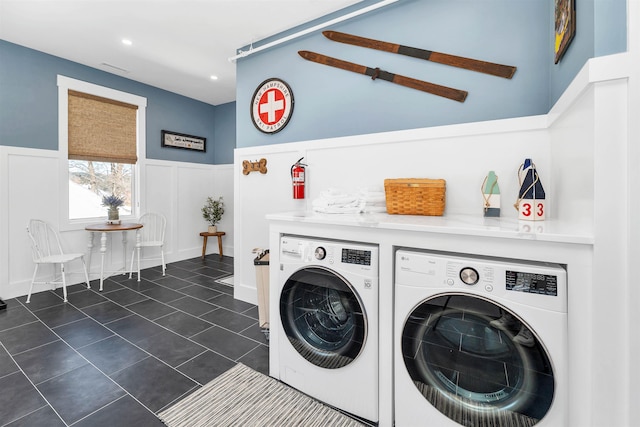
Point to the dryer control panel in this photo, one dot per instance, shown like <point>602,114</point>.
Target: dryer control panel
<point>524,281</point>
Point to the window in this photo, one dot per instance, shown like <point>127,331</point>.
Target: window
<point>101,134</point>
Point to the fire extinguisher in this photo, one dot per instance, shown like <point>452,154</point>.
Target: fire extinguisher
<point>297,178</point>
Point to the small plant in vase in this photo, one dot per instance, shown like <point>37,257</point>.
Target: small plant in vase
<point>212,212</point>
<point>113,202</point>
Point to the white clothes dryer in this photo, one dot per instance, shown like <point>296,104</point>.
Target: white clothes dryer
<point>479,341</point>
<point>328,322</point>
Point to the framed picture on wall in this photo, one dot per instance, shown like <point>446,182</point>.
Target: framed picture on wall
<point>565,26</point>
<point>181,140</point>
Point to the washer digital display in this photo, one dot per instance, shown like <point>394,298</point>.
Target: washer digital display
<point>532,283</point>
<point>356,256</point>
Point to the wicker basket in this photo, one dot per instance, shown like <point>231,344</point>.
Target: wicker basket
<point>415,196</point>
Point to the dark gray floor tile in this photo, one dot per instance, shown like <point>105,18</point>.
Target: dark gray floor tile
<point>200,292</point>
<point>18,397</point>
<point>43,417</point>
<point>252,312</point>
<point>225,342</point>
<point>78,287</point>
<point>141,286</point>
<point>41,300</point>
<point>193,306</point>
<point>258,359</point>
<point>256,333</point>
<point>211,272</point>
<point>200,279</point>
<point>163,294</point>
<point>122,278</point>
<point>171,348</point>
<point>186,264</point>
<point>12,303</point>
<point>106,312</point>
<point>229,302</point>
<point>78,393</point>
<point>214,261</point>
<point>172,282</point>
<point>59,315</point>
<point>183,324</point>
<point>47,361</point>
<point>112,354</point>
<point>7,365</point>
<point>125,296</point>
<point>229,320</point>
<point>85,298</point>
<point>151,274</point>
<point>26,337</point>
<point>17,316</point>
<point>151,309</point>
<point>179,273</point>
<point>153,383</point>
<point>124,412</point>
<point>82,332</point>
<point>108,285</point>
<point>135,328</point>
<point>220,287</point>
<point>206,367</point>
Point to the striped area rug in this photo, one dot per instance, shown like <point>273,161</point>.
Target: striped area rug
<point>244,397</point>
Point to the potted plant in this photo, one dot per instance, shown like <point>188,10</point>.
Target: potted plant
<point>113,202</point>
<point>212,212</point>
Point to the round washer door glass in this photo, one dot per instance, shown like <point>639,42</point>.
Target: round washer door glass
<point>323,317</point>
<point>477,362</point>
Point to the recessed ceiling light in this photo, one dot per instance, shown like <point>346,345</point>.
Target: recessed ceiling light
<point>127,42</point>
<point>214,77</point>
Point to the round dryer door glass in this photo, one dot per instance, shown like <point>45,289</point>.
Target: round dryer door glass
<point>477,362</point>
<point>322,317</point>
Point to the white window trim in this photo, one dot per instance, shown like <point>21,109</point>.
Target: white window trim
<point>64,85</point>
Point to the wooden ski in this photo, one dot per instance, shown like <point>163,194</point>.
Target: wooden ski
<point>376,73</point>
<point>499,70</point>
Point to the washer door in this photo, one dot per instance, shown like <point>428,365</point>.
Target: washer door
<point>477,362</point>
<point>323,317</point>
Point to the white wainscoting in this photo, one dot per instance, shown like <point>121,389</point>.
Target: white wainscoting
<point>30,188</point>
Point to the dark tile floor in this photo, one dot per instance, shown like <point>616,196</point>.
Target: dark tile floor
<point>119,357</point>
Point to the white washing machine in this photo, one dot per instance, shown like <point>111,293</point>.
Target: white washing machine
<point>328,322</point>
<point>479,341</point>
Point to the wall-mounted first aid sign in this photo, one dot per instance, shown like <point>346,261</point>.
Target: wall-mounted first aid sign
<point>272,105</point>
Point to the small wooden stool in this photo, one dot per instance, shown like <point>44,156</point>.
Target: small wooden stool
<point>206,235</point>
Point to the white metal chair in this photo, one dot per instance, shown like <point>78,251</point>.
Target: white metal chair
<point>150,235</point>
<point>46,249</point>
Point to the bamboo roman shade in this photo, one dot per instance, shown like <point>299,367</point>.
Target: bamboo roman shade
<point>101,129</point>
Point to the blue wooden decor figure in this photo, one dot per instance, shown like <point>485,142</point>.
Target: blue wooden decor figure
<point>491,195</point>
<point>531,197</point>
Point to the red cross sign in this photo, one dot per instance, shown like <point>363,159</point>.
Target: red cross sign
<point>272,105</point>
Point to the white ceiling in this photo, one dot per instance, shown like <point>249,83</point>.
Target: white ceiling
<point>177,44</point>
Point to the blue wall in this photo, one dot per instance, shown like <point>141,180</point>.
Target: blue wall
<point>29,107</point>
<point>225,132</point>
<point>330,102</point>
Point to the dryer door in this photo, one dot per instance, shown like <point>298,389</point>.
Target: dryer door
<point>323,317</point>
<point>477,362</point>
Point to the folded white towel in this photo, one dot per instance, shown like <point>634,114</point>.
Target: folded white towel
<point>337,201</point>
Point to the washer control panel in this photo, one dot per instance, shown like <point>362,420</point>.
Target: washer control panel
<point>352,256</point>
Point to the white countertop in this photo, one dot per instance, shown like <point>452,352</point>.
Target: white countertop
<point>550,230</point>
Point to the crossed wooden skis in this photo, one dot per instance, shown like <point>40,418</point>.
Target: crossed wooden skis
<point>505,71</point>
